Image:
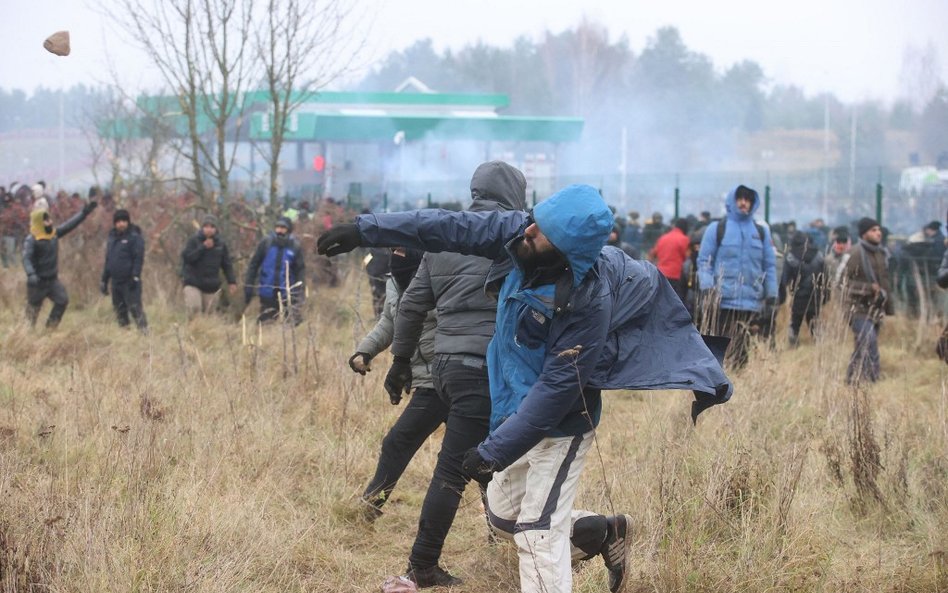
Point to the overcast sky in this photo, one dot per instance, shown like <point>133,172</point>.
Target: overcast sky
<point>853,48</point>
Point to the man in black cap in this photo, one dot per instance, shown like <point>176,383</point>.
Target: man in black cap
<point>204,256</point>
<point>868,294</point>
<point>124,256</point>
<point>276,273</point>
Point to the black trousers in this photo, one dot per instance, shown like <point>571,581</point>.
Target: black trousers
<point>270,307</point>
<point>735,324</point>
<point>127,300</point>
<point>462,383</point>
<point>423,414</point>
<point>47,288</point>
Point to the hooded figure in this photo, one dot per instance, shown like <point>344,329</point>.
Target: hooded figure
<point>124,258</point>
<point>737,272</point>
<point>41,263</point>
<point>573,318</point>
<point>804,275</point>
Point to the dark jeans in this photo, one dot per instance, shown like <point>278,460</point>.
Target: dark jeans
<point>52,289</point>
<point>864,364</point>
<point>735,324</point>
<point>424,413</point>
<point>127,299</point>
<point>806,310</point>
<point>462,383</point>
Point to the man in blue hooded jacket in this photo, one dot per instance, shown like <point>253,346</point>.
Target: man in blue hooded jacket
<point>737,272</point>
<point>573,318</point>
<point>277,271</point>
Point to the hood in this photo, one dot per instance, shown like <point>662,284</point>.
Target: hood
<point>37,228</point>
<point>731,204</point>
<point>577,222</point>
<point>498,186</point>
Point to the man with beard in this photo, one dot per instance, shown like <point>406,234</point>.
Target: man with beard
<point>866,282</point>
<point>41,263</point>
<point>574,317</point>
<point>277,273</point>
<point>204,256</point>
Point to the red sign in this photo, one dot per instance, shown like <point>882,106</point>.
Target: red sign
<point>319,163</point>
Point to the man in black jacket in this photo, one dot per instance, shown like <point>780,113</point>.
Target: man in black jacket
<point>453,285</point>
<point>41,263</point>
<point>204,256</point>
<point>124,256</point>
<point>804,279</point>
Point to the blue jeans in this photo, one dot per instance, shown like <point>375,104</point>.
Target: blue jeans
<point>461,382</point>
<point>864,363</point>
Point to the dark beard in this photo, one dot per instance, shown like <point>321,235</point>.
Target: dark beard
<point>539,268</point>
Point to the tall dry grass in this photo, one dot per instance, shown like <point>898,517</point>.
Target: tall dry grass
<point>190,461</point>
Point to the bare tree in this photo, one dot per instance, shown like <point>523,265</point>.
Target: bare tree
<point>303,46</point>
<point>200,49</point>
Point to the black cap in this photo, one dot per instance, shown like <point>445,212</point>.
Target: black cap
<point>865,224</point>
<point>121,215</point>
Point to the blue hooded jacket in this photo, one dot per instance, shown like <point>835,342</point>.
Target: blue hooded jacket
<point>744,266</point>
<point>614,323</point>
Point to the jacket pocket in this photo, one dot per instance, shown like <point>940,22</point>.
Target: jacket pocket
<point>532,328</point>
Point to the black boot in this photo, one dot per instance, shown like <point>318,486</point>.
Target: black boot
<point>433,576</point>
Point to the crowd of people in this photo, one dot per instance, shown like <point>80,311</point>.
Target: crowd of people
<point>507,325</point>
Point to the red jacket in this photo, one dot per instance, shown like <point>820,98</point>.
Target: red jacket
<point>670,252</point>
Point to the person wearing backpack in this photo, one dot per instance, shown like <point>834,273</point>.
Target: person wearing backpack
<point>737,273</point>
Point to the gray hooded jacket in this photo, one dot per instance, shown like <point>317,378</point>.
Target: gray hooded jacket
<point>453,284</point>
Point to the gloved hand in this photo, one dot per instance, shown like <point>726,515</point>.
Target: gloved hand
<point>359,363</point>
<point>770,306</point>
<point>104,287</point>
<point>32,280</point>
<point>248,294</point>
<point>398,379</point>
<point>88,208</point>
<point>341,238</point>
<point>476,467</point>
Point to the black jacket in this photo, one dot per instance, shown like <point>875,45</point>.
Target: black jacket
<point>453,284</point>
<point>41,256</point>
<point>805,276</point>
<point>201,267</point>
<point>124,255</point>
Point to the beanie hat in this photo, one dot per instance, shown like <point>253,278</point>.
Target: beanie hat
<point>121,215</point>
<point>286,223</point>
<point>933,225</point>
<point>865,224</point>
<point>209,220</point>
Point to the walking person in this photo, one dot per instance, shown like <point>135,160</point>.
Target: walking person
<point>804,278</point>
<point>425,411</point>
<point>571,315</point>
<point>868,293</point>
<point>204,257</point>
<point>737,274</point>
<point>670,253</point>
<point>277,274</point>
<point>41,264</point>
<point>124,258</point>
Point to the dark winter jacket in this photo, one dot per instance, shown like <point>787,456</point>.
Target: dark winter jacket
<point>868,265</point>
<point>202,266</point>
<point>41,249</point>
<point>453,284</point>
<point>274,258</point>
<point>608,322</point>
<point>943,271</point>
<point>124,255</point>
<point>804,275</point>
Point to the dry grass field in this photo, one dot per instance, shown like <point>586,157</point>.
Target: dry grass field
<point>189,460</point>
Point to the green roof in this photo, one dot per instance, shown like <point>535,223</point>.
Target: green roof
<point>374,128</point>
<point>391,98</point>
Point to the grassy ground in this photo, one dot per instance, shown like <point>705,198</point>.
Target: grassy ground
<point>203,459</point>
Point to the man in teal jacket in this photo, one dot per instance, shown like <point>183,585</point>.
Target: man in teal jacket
<point>573,318</point>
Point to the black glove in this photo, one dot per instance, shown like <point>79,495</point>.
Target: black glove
<point>476,467</point>
<point>341,238</point>
<point>248,294</point>
<point>88,208</point>
<point>398,379</point>
<point>363,367</point>
<point>104,287</point>
<point>32,280</point>
<point>770,304</point>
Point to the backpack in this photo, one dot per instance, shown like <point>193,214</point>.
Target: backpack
<point>722,226</point>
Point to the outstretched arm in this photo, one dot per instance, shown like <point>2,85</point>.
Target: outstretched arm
<point>469,233</point>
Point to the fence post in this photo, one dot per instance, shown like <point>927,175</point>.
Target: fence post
<point>677,196</point>
<point>384,201</point>
<point>429,199</point>
<point>879,198</point>
<point>534,198</point>
<point>767,203</point>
